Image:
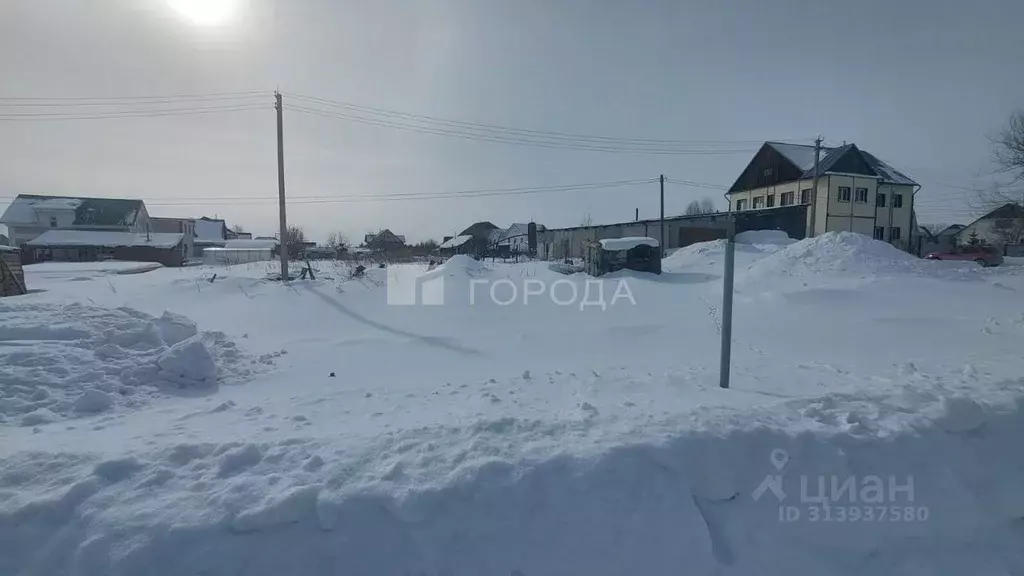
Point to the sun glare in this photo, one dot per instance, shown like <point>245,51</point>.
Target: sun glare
<point>205,12</point>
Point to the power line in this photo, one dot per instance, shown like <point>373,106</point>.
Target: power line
<point>505,139</point>
<point>507,130</point>
<point>51,116</point>
<point>128,99</point>
<point>695,184</point>
<point>400,196</point>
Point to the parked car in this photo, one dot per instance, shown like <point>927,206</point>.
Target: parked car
<point>984,255</point>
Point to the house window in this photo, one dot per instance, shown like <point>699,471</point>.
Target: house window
<point>844,193</point>
<point>741,204</point>
<point>758,202</point>
<point>879,233</point>
<point>53,221</point>
<point>787,198</point>
<point>771,200</point>
<point>880,200</point>
<point>894,233</point>
<point>805,196</point>
<point>897,200</point>
<point>860,195</point>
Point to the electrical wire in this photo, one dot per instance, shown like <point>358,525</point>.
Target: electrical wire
<point>504,139</point>
<point>400,196</point>
<point>82,100</point>
<point>507,130</point>
<point>52,116</point>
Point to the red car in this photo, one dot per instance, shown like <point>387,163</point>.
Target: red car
<point>984,255</point>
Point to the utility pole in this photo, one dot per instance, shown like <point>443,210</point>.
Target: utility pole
<point>636,217</point>
<point>724,368</point>
<point>814,186</point>
<point>283,245</point>
<point>661,243</point>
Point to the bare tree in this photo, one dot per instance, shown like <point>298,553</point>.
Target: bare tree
<point>587,220</point>
<point>337,241</point>
<point>237,229</point>
<point>1009,230</point>
<point>294,236</point>
<point>703,206</point>
<point>1008,155</point>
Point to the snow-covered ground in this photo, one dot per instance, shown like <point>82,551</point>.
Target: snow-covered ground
<point>314,429</point>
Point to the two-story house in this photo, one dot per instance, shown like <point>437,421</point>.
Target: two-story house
<point>30,215</point>
<point>857,192</point>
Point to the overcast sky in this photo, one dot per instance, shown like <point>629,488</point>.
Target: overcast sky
<point>919,83</point>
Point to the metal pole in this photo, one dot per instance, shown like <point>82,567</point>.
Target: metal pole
<point>283,245</point>
<point>727,289</point>
<point>661,243</point>
<point>814,187</point>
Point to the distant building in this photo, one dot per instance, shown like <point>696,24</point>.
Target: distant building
<point>30,215</point>
<point>385,240</point>
<point>1003,227</point>
<point>210,233</point>
<point>4,240</point>
<point>184,226</point>
<point>94,245</point>
<point>857,192</point>
<point>485,236</point>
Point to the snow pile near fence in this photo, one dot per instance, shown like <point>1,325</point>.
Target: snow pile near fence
<point>835,252</point>
<point>767,237</point>
<point>75,360</point>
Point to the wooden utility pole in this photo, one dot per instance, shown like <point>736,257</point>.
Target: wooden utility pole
<point>283,244</point>
<point>814,187</point>
<point>661,242</point>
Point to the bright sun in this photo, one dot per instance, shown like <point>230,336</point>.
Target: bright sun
<point>205,12</point>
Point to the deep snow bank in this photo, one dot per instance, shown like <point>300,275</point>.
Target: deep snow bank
<point>61,361</point>
<point>835,252</point>
<point>686,502</point>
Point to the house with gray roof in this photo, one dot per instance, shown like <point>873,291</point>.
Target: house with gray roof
<point>857,191</point>
<point>30,215</point>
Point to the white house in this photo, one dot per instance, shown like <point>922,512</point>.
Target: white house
<point>30,215</point>
<point>1000,227</point>
<point>857,192</point>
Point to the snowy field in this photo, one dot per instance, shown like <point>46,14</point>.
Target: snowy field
<point>173,422</point>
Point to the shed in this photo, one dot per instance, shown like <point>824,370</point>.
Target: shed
<point>12,275</point>
<point>639,253</point>
<point>91,246</point>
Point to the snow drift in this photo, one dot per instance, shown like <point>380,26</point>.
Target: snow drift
<point>835,253</point>
<point>74,360</point>
<point>526,440</point>
<point>408,504</point>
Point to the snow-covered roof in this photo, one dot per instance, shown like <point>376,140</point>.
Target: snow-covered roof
<point>5,248</point>
<point>88,211</point>
<point>801,155</point>
<point>58,204</point>
<point>210,230</point>
<point>60,238</point>
<point>456,242</point>
<point>627,243</point>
